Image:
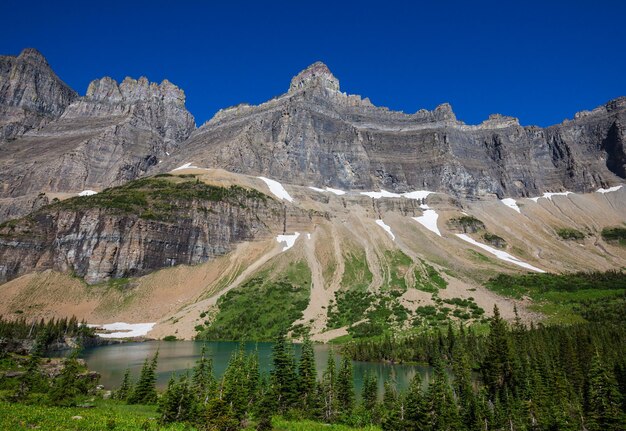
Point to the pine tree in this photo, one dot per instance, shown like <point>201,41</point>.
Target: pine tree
<point>284,379</point>
<point>145,389</point>
<point>392,409</point>
<point>177,402</point>
<point>203,382</point>
<point>444,415</point>
<point>369,397</point>
<point>604,399</point>
<point>345,387</point>
<point>416,413</point>
<point>497,367</point>
<point>328,389</point>
<point>307,375</point>
<point>68,386</point>
<point>126,387</point>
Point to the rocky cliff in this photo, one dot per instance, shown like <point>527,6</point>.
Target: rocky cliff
<point>144,225</point>
<point>316,135</point>
<point>31,94</point>
<point>114,134</point>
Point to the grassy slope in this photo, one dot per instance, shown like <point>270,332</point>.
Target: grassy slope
<point>564,298</point>
<point>116,416</point>
<point>263,306</point>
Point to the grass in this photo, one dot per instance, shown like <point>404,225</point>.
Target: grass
<point>112,415</point>
<point>262,307</point>
<point>159,198</point>
<point>107,415</point>
<point>565,298</point>
<point>615,234</point>
<point>353,299</point>
<point>569,234</point>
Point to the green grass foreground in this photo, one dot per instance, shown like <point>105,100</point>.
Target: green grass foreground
<point>114,415</point>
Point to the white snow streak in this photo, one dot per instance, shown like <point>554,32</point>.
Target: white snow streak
<point>328,189</point>
<point>277,189</point>
<point>417,195</point>
<point>429,220</point>
<point>188,166</point>
<point>386,228</point>
<point>609,190</point>
<point>549,195</point>
<point>511,203</point>
<point>124,330</point>
<point>87,193</point>
<point>499,253</point>
<point>287,240</point>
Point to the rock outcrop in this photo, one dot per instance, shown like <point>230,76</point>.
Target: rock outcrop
<point>31,94</point>
<point>114,134</point>
<point>145,225</point>
<point>316,135</point>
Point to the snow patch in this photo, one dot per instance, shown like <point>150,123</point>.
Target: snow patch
<point>511,203</point>
<point>549,195</point>
<point>499,253</point>
<point>277,189</point>
<point>381,194</point>
<point>186,166</point>
<point>328,189</point>
<point>308,236</point>
<point>87,193</point>
<point>417,195</point>
<point>429,220</point>
<point>609,190</point>
<point>287,240</point>
<point>124,330</point>
<point>386,228</point>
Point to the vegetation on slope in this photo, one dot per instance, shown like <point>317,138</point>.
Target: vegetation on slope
<point>160,198</point>
<point>615,234</point>
<point>565,298</point>
<point>262,307</point>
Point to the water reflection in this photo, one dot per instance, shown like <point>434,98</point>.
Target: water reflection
<point>180,356</point>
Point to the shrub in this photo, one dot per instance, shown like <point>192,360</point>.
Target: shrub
<point>569,233</point>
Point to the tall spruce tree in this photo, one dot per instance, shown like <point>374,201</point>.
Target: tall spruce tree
<point>444,414</point>
<point>604,411</point>
<point>145,389</point>
<point>203,382</point>
<point>345,388</point>
<point>328,389</point>
<point>416,416</point>
<point>126,387</point>
<point>369,397</point>
<point>284,378</point>
<point>307,375</point>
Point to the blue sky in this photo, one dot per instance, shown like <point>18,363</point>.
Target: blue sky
<point>539,61</point>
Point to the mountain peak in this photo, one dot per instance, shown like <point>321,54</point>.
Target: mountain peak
<point>317,74</point>
<point>32,54</point>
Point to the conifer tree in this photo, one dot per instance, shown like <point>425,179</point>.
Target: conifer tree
<point>307,375</point>
<point>284,379</point>
<point>369,397</point>
<point>392,409</point>
<point>444,415</point>
<point>67,386</point>
<point>345,387</point>
<point>203,382</point>
<point>328,389</point>
<point>145,389</point>
<point>604,399</point>
<point>416,412</point>
<point>126,387</point>
<point>177,402</point>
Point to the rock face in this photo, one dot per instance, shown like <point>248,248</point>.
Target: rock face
<point>142,226</point>
<point>31,94</point>
<point>115,133</point>
<point>316,135</point>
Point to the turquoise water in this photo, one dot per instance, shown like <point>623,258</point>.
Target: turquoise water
<point>180,356</point>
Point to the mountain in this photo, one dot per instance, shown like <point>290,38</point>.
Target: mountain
<point>316,135</point>
<point>113,134</point>
<point>31,94</point>
<point>313,210</point>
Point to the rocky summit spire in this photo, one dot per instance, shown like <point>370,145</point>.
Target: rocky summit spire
<point>316,74</point>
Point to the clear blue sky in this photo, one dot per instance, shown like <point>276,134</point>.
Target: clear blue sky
<point>540,61</point>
